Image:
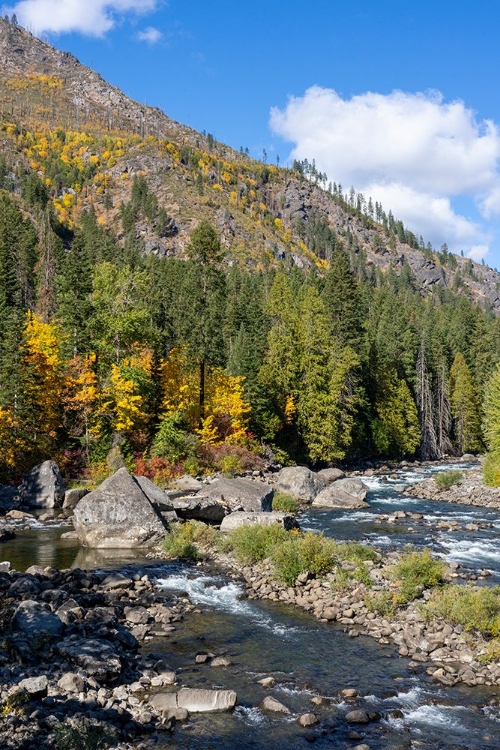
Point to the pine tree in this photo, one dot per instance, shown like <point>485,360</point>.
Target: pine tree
<point>464,407</point>
<point>342,300</point>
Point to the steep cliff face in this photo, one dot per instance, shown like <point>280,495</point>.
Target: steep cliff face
<point>264,214</point>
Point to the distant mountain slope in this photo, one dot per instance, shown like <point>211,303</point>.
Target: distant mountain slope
<point>265,214</point>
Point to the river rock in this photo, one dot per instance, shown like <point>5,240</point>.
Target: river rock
<point>331,475</point>
<point>200,508</point>
<point>308,720</point>
<point>272,704</point>
<point>358,716</point>
<point>42,486</point>
<point>343,493</point>
<point>98,658</point>
<point>9,496</point>
<point>299,482</point>
<point>242,494</point>
<point>118,515</point>
<point>36,620</point>
<point>239,518</point>
<point>71,683</point>
<point>73,497</point>
<point>36,687</point>
<point>188,484</point>
<point>196,700</point>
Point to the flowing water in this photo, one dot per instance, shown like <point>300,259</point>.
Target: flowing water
<point>308,658</point>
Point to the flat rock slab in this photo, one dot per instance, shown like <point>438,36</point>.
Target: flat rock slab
<point>299,482</point>
<point>188,483</point>
<point>194,700</point>
<point>240,518</point>
<point>242,494</point>
<point>97,658</point>
<point>343,493</point>
<point>118,515</point>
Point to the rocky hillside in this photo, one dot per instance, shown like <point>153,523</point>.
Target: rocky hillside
<point>90,144</point>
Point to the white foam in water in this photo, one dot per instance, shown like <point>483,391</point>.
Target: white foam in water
<point>223,597</point>
<point>480,552</point>
<point>249,714</point>
<point>436,716</point>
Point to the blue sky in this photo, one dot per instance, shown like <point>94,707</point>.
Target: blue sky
<point>398,99</point>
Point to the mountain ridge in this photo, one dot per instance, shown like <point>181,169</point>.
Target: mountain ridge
<point>263,213</point>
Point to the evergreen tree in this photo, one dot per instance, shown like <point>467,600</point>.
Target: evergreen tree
<point>464,407</point>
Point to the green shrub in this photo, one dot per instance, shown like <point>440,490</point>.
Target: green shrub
<point>304,552</point>
<point>381,602</point>
<point>184,539</point>
<point>83,735</point>
<point>356,552</point>
<point>284,502</point>
<point>230,466</point>
<point>473,608</point>
<point>252,542</point>
<point>193,467</point>
<point>173,441</point>
<point>491,469</point>
<point>416,571</point>
<point>448,478</point>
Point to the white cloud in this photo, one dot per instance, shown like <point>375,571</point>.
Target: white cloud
<point>90,17</point>
<point>478,252</point>
<point>150,35</point>
<point>414,153</point>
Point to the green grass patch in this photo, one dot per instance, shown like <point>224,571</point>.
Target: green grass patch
<point>252,543</point>
<point>284,502</point>
<point>448,479</point>
<point>473,608</point>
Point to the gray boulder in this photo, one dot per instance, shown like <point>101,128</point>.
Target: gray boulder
<point>300,482</point>
<point>118,515</point>
<point>42,486</point>
<point>36,620</point>
<point>240,517</point>
<point>200,508</point>
<point>36,687</point>
<point>344,493</point>
<point>331,475</point>
<point>188,483</point>
<point>154,493</point>
<point>9,497</point>
<point>197,700</point>
<point>73,497</point>
<point>242,494</point>
<point>98,658</point>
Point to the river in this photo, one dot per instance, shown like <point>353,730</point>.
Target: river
<point>310,659</point>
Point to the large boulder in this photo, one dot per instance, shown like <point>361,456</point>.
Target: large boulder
<point>344,493</point>
<point>154,493</point>
<point>118,515</point>
<point>43,486</point>
<point>299,482</point>
<point>200,508</point>
<point>73,497</point>
<point>240,517</point>
<point>97,658</point>
<point>36,620</point>
<point>242,494</point>
<point>331,475</point>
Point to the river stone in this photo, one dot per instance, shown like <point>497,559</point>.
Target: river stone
<point>73,497</point>
<point>331,475</point>
<point>36,687</point>
<point>197,700</point>
<point>117,515</point>
<point>242,494</point>
<point>299,482</point>
<point>42,486</point>
<point>344,493</point>
<point>308,720</point>
<point>358,716</point>
<point>239,517</point>
<point>272,704</point>
<point>200,508</point>
<point>154,493</point>
<point>188,484</point>
<point>71,683</point>
<point>98,658</point>
<point>37,620</point>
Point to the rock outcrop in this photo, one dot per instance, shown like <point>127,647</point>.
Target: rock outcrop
<point>118,515</point>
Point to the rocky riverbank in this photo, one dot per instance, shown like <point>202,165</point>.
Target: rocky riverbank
<point>470,490</point>
<point>446,652</point>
